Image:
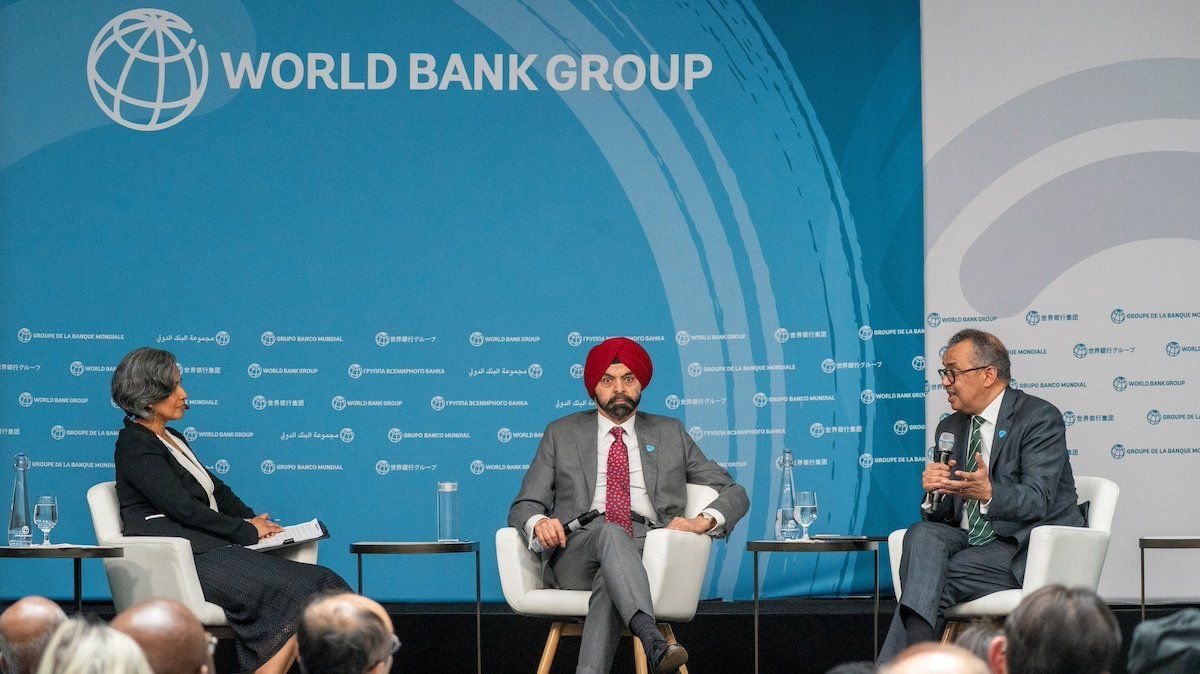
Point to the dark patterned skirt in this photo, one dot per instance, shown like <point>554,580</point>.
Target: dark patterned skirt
<point>263,597</point>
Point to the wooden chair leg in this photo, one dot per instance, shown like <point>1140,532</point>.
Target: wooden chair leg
<point>669,633</point>
<point>551,648</point>
<point>640,664</point>
<point>951,632</point>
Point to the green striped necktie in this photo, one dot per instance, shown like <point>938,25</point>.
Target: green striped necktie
<point>979,530</point>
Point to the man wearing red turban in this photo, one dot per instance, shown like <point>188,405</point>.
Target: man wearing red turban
<point>634,468</point>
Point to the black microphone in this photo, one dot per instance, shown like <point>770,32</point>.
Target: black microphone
<point>945,450</point>
<point>570,527</point>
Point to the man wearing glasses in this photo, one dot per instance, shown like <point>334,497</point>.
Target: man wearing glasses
<point>1009,473</point>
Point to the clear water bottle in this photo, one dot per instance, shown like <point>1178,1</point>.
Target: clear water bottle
<point>447,512</point>
<point>786,526</point>
<point>20,531</point>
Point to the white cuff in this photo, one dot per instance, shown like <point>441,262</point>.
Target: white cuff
<point>529,525</point>
<point>983,506</point>
<point>716,515</point>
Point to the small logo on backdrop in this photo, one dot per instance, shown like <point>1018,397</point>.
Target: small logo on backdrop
<point>221,466</point>
<point>574,339</point>
<point>782,335</point>
<point>382,339</point>
<point>58,432</point>
<point>268,338</point>
<point>682,338</point>
<point>1154,417</point>
<point>383,467</point>
<point>24,335</point>
<point>259,403</point>
<point>504,435</point>
<point>267,466</point>
<point>254,370</point>
<point>900,427</point>
<point>695,369</point>
<point>867,397</point>
<point>394,435</point>
<point>1068,418</point>
<point>139,59</point>
<point>933,320</point>
<point>1080,350</point>
<point>476,339</point>
<point>865,333</point>
<point>1174,349</point>
<point>1117,451</point>
<point>1120,384</point>
<point>438,403</point>
<point>577,371</point>
<point>222,338</point>
<point>477,467</point>
<point>759,399</point>
<point>1117,316</point>
<point>828,365</point>
<point>697,433</point>
<point>355,370</point>
<point>918,363</point>
<point>346,434</point>
<point>672,402</point>
<point>535,371</point>
<point>1033,317</point>
<point>77,368</point>
<point>866,460</point>
<point>338,403</point>
<point>190,434</point>
<point>25,399</point>
<point>816,430</point>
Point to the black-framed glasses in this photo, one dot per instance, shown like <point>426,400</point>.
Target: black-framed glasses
<point>950,375</point>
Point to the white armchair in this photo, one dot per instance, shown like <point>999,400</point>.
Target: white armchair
<point>158,566</point>
<point>675,564</point>
<point>1070,556</point>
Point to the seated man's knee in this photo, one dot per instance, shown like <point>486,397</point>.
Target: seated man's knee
<point>921,535</point>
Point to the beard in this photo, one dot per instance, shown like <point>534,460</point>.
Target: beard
<point>620,406</point>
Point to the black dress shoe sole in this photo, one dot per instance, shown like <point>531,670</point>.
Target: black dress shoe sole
<point>675,657</point>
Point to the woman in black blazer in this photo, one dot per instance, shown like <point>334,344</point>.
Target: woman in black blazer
<point>164,490</point>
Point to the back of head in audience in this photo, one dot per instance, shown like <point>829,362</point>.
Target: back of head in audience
<point>934,658</point>
<point>1058,630</point>
<point>25,628</point>
<point>978,636</point>
<point>83,647</point>
<point>863,667</point>
<point>345,634</point>
<point>1170,644</point>
<point>170,636</point>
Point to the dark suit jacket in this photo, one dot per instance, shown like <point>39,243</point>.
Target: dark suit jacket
<point>561,481</point>
<point>151,482</point>
<point>1032,483</point>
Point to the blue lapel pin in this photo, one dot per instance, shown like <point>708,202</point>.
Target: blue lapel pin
<point>649,448</point>
<point>1003,432</point>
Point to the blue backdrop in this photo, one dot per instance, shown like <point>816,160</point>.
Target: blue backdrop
<point>381,265</point>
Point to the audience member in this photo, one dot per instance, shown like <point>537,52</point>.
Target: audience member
<point>346,634</point>
<point>1167,645</point>
<point>172,639</point>
<point>1058,630</point>
<point>25,627</point>
<point>979,635</point>
<point>862,667</point>
<point>83,647</point>
<point>929,657</point>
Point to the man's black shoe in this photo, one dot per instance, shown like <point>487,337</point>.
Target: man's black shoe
<point>667,658</point>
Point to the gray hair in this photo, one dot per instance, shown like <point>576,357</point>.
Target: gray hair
<point>987,349</point>
<point>145,376</point>
<point>82,647</point>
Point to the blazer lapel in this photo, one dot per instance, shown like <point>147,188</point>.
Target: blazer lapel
<point>647,433</point>
<point>1003,425</point>
<point>585,441</point>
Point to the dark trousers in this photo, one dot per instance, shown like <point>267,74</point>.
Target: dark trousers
<point>939,570</point>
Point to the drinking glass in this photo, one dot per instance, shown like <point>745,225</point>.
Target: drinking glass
<point>806,506</point>
<point>45,516</point>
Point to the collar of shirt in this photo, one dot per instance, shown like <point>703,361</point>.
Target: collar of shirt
<point>606,426</point>
<point>992,412</point>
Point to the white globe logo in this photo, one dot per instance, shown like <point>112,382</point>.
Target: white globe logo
<point>25,399</point>
<point>77,368</point>
<point>267,466</point>
<point>394,435</point>
<point>346,434</point>
<point>268,338</point>
<point>697,433</point>
<point>865,333</point>
<point>58,432</point>
<point>867,396</point>
<point>254,370</point>
<point>535,371</point>
<point>866,460</point>
<point>24,335</point>
<point>918,363</point>
<point>828,366</point>
<point>695,369</point>
<point>259,403</point>
<point>383,467</point>
<point>382,339</point>
<point>338,403</point>
<point>574,339</point>
<point>190,434</point>
<point>477,467</point>
<point>355,370</point>
<point>900,427</point>
<point>504,435</point>
<point>760,399</point>
<point>221,466</point>
<point>476,339</point>
<point>438,403</point>
<point>782,335</point>
<point>577,371</point>
<point>672,402</point>
<point>682,338</point>
<point>149,82</point>
<point>816,430</point>
<point>222,338</point>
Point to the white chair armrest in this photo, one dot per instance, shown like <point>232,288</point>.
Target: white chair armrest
<point>520,569</point>
<point>305,553</point>
<point>895,551</point>
<point>1070,556</point>
<point>675,564</point>
<point>154,567</point>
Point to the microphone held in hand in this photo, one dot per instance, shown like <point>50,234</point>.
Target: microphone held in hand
<point>945,450</point>
<point>570,527</point>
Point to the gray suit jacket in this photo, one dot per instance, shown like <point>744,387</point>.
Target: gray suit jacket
<point>562,478</point>
<point>1032,483</point>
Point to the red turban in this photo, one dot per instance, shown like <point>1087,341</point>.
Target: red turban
<point>616,350</point>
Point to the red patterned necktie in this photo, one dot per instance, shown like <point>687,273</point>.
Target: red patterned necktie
<point>616,493</point>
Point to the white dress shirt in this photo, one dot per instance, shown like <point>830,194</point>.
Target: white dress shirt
<point>639,498</point>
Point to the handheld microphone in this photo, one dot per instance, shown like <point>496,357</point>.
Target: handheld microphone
<point>570,527</point>
<point>945,450</point>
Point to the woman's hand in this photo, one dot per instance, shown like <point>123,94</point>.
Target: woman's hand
<point>265,527</point>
